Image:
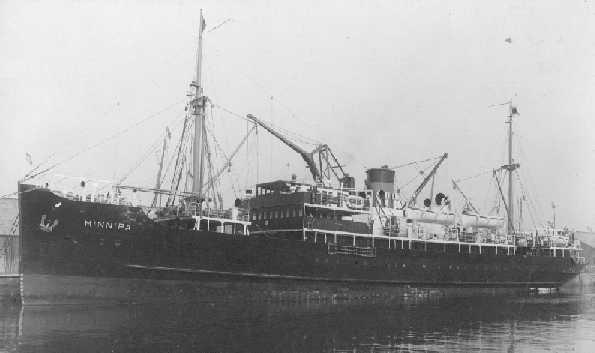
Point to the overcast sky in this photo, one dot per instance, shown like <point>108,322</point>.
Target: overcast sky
<point>382,82</point>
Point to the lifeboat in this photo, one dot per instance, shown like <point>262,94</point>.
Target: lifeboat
<point>479,221</point>
<point>427,216</point>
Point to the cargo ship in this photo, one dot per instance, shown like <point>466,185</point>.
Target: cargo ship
<point>285,240</point>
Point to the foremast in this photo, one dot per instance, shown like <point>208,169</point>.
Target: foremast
<point>198,111</point>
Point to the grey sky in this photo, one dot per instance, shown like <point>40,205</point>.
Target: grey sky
<point>382,82</point>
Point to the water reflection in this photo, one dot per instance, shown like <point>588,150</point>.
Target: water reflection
<point>534,323</point>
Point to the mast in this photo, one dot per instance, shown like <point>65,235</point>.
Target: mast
<point>510,167</point>
<point>198,105</point>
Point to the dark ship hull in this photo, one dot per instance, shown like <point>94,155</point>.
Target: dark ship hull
<point>75,252</point>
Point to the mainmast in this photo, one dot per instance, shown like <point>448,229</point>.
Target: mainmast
<point>198,110</point>
<point>510,167</point>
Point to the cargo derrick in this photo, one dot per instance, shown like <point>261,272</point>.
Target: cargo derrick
<point>328,164</point>
<point>426,180</point>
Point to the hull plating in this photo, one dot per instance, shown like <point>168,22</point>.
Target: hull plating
<point>79,251</point>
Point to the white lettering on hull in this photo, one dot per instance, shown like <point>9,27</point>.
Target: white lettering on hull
<point>106,225</point>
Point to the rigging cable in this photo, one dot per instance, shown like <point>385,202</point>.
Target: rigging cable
<point>173,156</point>
<point>528,198</point>
<point>152,148</point>
<point>475,175</point>
<point>529,179</point>
<point>415,162</point>
<point>281,104</point>
<point>180,160</point>
<point>296,136</point>
<point>39,165</point>
<point>109,138</point>
<point>418,174</point>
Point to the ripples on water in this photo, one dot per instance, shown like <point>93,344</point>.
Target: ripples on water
<point>556,323</point>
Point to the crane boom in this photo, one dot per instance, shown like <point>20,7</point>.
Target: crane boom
<point>308,157</point>
<point>426,180</point>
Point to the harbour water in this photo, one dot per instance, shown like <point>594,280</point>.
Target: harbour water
<point>556,322</point>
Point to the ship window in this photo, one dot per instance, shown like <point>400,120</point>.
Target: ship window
<point>282,214</point>
<point>300,212</point>
<point>276,214</point>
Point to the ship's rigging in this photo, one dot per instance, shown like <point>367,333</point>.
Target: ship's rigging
<point>204,176</point>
